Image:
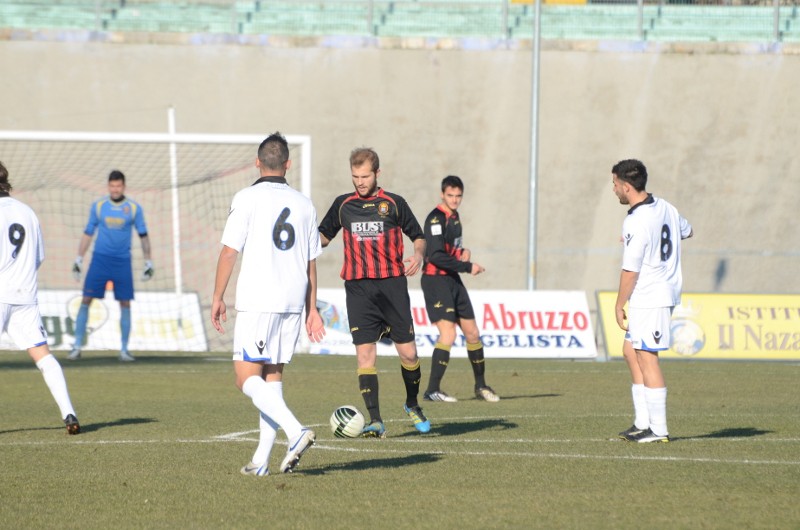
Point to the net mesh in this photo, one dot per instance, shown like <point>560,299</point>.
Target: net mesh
<point>61,179</point>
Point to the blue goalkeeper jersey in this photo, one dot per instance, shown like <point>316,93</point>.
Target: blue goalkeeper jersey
<point>115,221</point>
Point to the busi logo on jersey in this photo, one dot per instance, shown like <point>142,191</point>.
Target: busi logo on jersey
<point>366,230</point>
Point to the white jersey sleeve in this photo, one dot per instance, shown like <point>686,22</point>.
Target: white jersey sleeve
<point>21,252</point>
<point>236,226</point>
<point>686,228</point>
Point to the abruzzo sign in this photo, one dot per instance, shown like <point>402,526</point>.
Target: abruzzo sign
<point>513,324</point>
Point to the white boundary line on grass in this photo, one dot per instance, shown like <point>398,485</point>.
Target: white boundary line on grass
<point>382,447</point>
<point>564,455</point>
<point>434,439</point>
<point>390,445</point>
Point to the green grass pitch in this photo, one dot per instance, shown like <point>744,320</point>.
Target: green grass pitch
<point>163,440</point>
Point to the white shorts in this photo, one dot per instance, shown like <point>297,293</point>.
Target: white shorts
<point>23,324</point>
<point>269,338</point>
<point>649,328</point>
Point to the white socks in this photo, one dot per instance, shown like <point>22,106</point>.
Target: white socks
<point>54,379</point>
<point>641,416</point>
<point>657,408</point>
<point>266,439</point>
<point>268,398</point>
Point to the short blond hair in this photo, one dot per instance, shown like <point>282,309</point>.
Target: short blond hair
<point>360,155</point>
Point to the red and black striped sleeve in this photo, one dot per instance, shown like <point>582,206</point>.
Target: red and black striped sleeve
<point>332,222</point>
<point>441,254</point>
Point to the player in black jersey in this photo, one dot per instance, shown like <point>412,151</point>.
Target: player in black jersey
<point>373,222</point>
<point>446,297</point>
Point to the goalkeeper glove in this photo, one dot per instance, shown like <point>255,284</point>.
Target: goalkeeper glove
<point>76,268</point>
<point>148,271</point>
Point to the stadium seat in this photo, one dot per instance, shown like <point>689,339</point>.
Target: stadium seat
<point>410,18</point>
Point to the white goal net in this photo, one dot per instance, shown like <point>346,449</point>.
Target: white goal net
<point>184,183</point>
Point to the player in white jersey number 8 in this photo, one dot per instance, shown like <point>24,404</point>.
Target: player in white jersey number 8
<point>650,284</point>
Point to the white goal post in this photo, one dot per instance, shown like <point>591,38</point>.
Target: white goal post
<point>184,183</point>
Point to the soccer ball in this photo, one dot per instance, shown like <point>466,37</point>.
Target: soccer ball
<point>347,422</point>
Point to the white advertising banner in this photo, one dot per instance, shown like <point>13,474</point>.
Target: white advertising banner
<point>160,321</point>
<point>513,324</point>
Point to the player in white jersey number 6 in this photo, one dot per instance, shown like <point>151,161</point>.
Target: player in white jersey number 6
<point>274,227</point>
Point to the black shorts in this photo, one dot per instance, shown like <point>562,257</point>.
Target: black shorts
<point>376,307</point>
<point>446,298</point>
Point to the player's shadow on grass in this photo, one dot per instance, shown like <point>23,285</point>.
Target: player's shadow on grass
<point>87,427</point>
<point>32,429</point>
<point>175,359</point>
<point>455,428</point>
<point>531,396</point>
<point>102,359</point>
<point>375,463</point>
<point>91,427</point>
<point>18,364</point>
<point>733,432</point>
<point>112,359</point>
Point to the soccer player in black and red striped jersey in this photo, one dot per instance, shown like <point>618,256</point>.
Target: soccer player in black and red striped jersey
<point>373,222</point>
<point>446,297</point>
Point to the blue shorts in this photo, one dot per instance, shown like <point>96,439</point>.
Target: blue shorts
<point>104,269</point>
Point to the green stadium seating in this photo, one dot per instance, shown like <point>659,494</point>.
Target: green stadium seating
<point>308,18</point>
<point>487,19</point>
<point>408,19</point>
<point>47,16</point>
<point>710,23</point>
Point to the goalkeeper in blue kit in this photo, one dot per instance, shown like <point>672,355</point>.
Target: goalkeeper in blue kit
<point>113,217</point>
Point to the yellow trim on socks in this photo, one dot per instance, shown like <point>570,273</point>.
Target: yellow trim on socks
<point>410,368</point>
<point>367,371</point>
<point>440,346</point>
<point>477,346</point>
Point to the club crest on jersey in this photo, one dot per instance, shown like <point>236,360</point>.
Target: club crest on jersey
<point>367,230</point>
<point>383,208</point>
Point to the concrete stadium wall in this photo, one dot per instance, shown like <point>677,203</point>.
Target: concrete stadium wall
<point>718,129</point>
